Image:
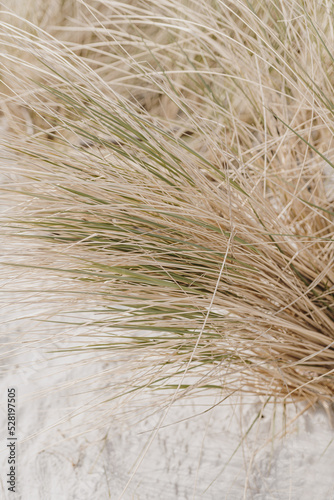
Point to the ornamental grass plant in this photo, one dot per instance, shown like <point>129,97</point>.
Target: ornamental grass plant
<point>168,169</point>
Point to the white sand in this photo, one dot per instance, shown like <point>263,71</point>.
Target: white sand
<point>183,459</point>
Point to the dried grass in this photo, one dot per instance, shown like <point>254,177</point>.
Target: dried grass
<point>173,164</point>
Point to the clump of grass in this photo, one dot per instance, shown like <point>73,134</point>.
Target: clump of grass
<point>173,163</point>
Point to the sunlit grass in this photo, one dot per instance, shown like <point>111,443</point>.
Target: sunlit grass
<point>170,164</point>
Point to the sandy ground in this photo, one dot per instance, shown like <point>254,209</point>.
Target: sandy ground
<point>227,453</point>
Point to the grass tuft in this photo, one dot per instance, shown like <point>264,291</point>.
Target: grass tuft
<point>171,167</point>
